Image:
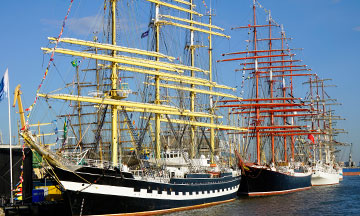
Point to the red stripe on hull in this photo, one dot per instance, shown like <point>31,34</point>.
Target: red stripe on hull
<point>325,184</point>
<point>351,173</point>
<point>277,192</point>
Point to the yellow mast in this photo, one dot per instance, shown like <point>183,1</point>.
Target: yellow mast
<point>39,132</point>
<point>158,69</point>
<point>192,93</point>
<point>212,131</point>
<point>230,140</point>
<point>114,78</point>
<point>157,85</point>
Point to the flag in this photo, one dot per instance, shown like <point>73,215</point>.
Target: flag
<point>4,85</point>
<point>145,34</point>
<point>75,63</point>
<point>65,130</point>
<point>311,137</point>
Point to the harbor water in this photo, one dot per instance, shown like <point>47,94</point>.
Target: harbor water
<point>341,199</point>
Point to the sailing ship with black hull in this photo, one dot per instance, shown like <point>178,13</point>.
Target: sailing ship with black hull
<point>176,113</point>
<point>270,156</point>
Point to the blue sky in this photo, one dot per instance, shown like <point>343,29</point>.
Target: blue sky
<point>328,30</point>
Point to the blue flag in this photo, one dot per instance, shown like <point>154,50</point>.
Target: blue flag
<point>145,34</point>
<point>2,92</point>
<point>4,85</point>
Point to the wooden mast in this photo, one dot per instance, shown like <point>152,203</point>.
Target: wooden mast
<point>79,106</point>
<point>157,85</point>
<point>212,131</point>
<point>257,110</point>
<point>114,79</point>
<point>318,119</point>
<point>266,110</point>
<point>271,93</point>
<point>284,90</point>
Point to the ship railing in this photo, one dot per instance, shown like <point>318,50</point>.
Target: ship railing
<point>94,163</point>
<point>137,173</point>
<point>96,93</point>
<point>151,175</point>
<point>124,90</point>
<point>328,169</point>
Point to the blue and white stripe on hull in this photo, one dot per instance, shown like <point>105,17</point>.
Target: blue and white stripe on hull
<point>143,193</point>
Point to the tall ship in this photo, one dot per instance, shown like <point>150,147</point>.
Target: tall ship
<point>273,158</point>
<point>326,170</point>
<point>145,136</point>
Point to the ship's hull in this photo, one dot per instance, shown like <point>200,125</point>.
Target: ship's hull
<point>351,171</point>
<point>257,181</point>
<point>320,178</point>
<point>341,175</point>
<point>115,194</point>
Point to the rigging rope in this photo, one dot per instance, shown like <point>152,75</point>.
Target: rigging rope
<point>49,64</point>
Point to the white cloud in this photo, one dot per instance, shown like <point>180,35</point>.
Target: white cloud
<point>79,26</point>
<point>357,28</point>
<point>84,25</point>
<point>87,25</point>
<point>50,23</point>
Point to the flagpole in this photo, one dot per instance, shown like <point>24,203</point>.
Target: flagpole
<point>10,147</point>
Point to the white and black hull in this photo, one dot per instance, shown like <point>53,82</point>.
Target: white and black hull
<point>114,192</point>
